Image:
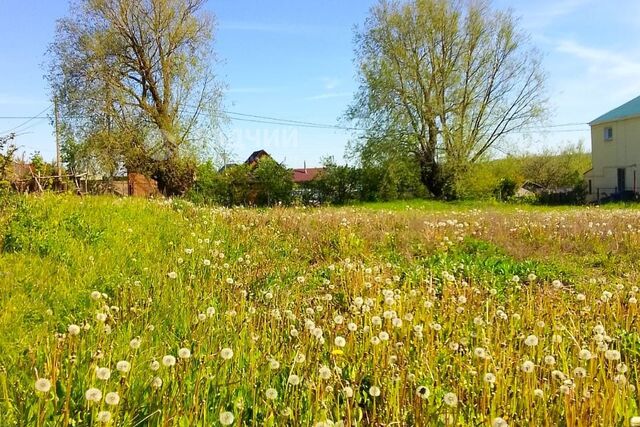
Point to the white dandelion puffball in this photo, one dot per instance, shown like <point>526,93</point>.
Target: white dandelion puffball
<point>154,365</point>
<point>135,343</point>
<point>95,295</point>
<point>184,353</point>
<point>480,353</point>
<point>340,342</point>
<point>531,341</point>
<point>156,382</point>
<point>293,379</point>
<point>423,392</point>
<point>169,361</point>
<point>450,399</point>
<point>271,394</point>
<point>226,353</point>
<point>374,391</point>
<point>101,317</point>
<point>612,355</point>
<point>274,364</point>
<point>348,392</point>
<point>112,398</point>
<point>584,354</point>
<point>538,393</point>
<point>93,395</point>
<point>634,422</point>
<point>104,417</point>
<point>489,378</point>
<point>528,366</point>
<point>123,366</point>
<point>73,329</point>
<point>226,418</point>
<point>325,372</point>
<point>172,275</point>
<point>103,373</point>
<point>499,422</point>
<point>550,360</point>
<point>352,327</point>
<point>43,385</point>
<point>580,372</point>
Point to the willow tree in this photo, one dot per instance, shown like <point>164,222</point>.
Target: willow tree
<point>442,81</point>
<point>133,80</point>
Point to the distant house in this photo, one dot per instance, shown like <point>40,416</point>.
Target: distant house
<point>529,189</point>
<point>305,175</point>
<point>255,157</point>
<point>615,153</point>
<point>252,160</point>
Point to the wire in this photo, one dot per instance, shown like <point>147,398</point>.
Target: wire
<point>30,119</point>
<point>279,121</point>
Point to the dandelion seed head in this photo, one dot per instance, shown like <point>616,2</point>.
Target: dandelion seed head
<point>43,385</point>
<point>226,353</point>
<point>93,395</point>
<point>271,394</point>
<point>226,418</point>
<point>374,391</point>
<point>450,399</point>
<point>112,398</point>
<point>169,361</point>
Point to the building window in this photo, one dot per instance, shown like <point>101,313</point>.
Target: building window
<point>608,133</point>
<point>590,190</point>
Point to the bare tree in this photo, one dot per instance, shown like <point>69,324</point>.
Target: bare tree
<point>134,78</point>
<point>443,81</point>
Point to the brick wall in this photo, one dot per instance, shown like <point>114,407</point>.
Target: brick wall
<point>141,186</point>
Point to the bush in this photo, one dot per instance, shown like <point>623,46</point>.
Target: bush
<point>505,189</point>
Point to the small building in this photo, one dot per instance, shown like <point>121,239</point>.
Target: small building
<point>255,157</point>
<point>305,175</point>
<point>615,153</point>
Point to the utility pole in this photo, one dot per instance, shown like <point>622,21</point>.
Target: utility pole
<point>55,113</point>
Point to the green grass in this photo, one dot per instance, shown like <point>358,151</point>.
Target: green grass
<point>459,277</point>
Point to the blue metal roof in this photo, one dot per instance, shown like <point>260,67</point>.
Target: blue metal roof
<point>625,111</point>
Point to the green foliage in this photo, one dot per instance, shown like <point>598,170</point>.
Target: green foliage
<point>175,176</point>
<point>273,183</point>
<point>265,184</point>
<point>338,184</point>
<point>442,81</point>
<point>554,170</point>
<point>134,84</point>
<point>506,189</point>
<point>7,150</point>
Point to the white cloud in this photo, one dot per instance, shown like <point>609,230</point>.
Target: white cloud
<point>543,14</point>
<point>328,95</point>
<point>612,70</point>
<point>330,83</point>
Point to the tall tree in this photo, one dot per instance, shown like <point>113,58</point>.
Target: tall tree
<point>133,79</point>
<point>443,80</point>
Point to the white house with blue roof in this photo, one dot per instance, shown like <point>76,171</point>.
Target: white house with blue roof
<point>615,152</point>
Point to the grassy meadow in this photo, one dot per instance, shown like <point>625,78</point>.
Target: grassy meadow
<point>129,312</point>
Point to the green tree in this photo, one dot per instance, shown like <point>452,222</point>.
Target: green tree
<point>272,181</point>
<point>338,184</point>
<point>7,151</point>
<point>133,79</point>
<point>442,81</point>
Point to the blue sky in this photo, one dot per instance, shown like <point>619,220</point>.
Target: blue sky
<point>294,59</point>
